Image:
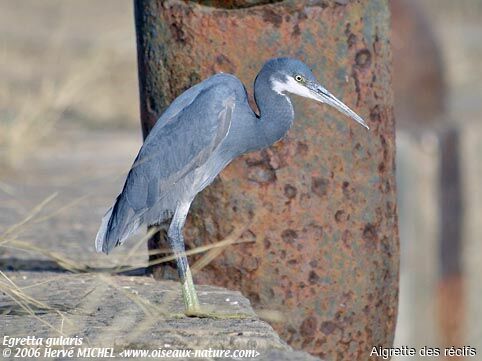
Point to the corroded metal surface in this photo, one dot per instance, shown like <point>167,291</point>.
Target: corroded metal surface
<point>322,201</point>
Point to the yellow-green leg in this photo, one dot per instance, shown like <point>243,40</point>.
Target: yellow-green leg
<point>189,294</point>
<point>176,241</point>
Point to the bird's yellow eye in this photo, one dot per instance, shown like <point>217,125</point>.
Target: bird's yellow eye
<point>298,78</point>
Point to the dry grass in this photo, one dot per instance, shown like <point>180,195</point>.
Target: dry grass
<point>39,113</point>
<point>22,303</point>
<point>29,305</point>
<point>57,66</point>
<point>10,238</point>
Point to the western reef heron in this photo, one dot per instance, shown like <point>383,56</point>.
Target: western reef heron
<point>199,134</point>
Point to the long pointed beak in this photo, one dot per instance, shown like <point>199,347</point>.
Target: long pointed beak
<point>324,96</point>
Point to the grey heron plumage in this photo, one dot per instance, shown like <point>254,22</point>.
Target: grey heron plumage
<point>200,133</point>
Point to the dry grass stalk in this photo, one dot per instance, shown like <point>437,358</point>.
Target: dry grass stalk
<point>41,111</point>
<point>28,304</point>
<point>14,229</point>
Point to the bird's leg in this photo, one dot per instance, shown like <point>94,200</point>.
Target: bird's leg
<point>176,241</point>
<point>159,241</point>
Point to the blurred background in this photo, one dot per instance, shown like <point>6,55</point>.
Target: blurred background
<point>69,129</point>
<point>437,87</point>
<point>69,125</point>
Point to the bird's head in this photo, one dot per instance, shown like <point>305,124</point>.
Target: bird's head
<point>293,76</point>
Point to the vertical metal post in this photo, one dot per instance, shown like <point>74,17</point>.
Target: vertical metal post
<point>321,204</point>
<point>451,291</point>
<point>421,109</point>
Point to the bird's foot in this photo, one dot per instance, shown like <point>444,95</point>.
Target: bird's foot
<point>189,294</point>
<point>193,308</point>
<point>207,312</point>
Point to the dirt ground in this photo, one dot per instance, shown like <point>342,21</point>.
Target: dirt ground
<point>68,124</point>
<point>84,170</point>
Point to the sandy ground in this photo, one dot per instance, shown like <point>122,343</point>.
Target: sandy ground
<point>77,57</point>
<point>86,170</point>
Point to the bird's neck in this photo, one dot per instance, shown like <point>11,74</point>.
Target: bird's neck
<point>276,115</point>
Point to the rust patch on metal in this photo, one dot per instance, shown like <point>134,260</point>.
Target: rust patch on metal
<point>363,58</point>
<point>319,186</point>
<point>451,310</point>
<point>290,191</point>
<point>270,16</point>
<point>328,327</point>
<point>289,236</point>
<point>234,4</point>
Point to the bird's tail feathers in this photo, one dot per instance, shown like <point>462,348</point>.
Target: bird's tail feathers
<point>100,239</point>
<point>109,237</point>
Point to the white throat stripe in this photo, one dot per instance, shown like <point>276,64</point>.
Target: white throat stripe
<point>291,86</point>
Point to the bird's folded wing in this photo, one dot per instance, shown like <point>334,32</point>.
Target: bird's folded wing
<point>183,139</point>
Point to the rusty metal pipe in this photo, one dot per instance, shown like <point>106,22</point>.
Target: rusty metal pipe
<point>320,205</point>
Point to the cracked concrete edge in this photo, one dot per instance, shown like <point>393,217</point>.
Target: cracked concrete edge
<point>136,312</point>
